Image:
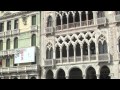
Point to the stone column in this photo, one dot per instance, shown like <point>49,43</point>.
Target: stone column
<point>60,55</point>
<point>84,76</point>
<point>81,53</point>
<point>89,52</point>
<point>67,54</point>
<point>74,54</point>
<point>98,76</point>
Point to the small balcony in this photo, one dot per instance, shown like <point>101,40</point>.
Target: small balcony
<point>104,57</point>
<point>15,32</point>
<point>8,33</point>
<point>34,28</point>
<point>49,30</point>
<point>1,34</point>
<point>49,62</point>
<point>19,69</point>
<point>101,21</point>
<point>7,52</point>
<point>117,18</point>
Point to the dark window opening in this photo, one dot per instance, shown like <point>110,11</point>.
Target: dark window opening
<point>85,49</point>
<point>64,19</point>
<point>77,17</point>
<point>1,27</point>
<point>16,24</point>
<point>51,53</point>
<point>92,48</point>
<point>78,50</point>
<point>8,44</point>
<point>34,20</point>
<point>33,42</point>
<point>9,25</point>
<point>119,45</point>
<point>8,61</point>
<point>70,17</point>
<point>71,50</point>
<point>100,14</point>
<point>57,52</point>
<point>1,45</point>
<point>15,43</point>
<point>64,51</point>
<point>49,22</point>
<point>90,15</point>
<point>83,16</point>
<point>58,20</point>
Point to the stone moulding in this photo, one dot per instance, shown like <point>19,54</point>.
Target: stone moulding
<point>15,14</point>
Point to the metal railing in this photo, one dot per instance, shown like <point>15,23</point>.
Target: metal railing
<point>18,69</point>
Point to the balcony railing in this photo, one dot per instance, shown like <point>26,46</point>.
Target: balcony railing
<point>92,57</point>
<point>101,21</point>
<point>71,59</point>
<point>15,31</point>
<point>71,25</point>
<point>19,69</point>
<point>49,62</point>
<point>1,34</point>
<point>103,57</point>
<point>8,33</point>
<point>49,30</point>
<point>34,28</point>
<point>58,27</point>
<point>64,60</point>
<point>83,23</point>
<point>85,57</point>
<point>7,52</point>
<point>78,58</point>
<point>57,60</point>
<point>117,18</point>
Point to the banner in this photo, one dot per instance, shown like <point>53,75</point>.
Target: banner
<point>24,55</point>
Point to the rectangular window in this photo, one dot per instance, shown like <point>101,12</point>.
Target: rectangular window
<point>9,25</point>
<point>1,45</point>
<point>1,27</point>
<point>0,62</point>
<point>16,24</point>
<point>8,62</point>
<point>34,20</point>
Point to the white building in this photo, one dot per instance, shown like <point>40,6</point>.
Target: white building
<point>80,44</point>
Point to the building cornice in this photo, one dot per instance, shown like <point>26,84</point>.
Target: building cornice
<point>11,15</point>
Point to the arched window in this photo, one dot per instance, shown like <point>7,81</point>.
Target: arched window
<point>77,16</point>
<point>1,44</point>
<point>57,52</point>
<point>58,20</point>
<point>71,50</point>
<point>90,15</point>
<point>8,44</point>
<point>16,42</point>
<point>33,40</point>
<point>64,19</point>
<point>119,45</point>
<point>102,47</point>
<point>70,17</point>
<point>49,22</point>
<point>47,53</point>
<point>83,16</point>
<point>85,49</point>
<point>100,14</point>
<point>78,51</point>
<point>64,51</point>
<point>92,48</point>
<point>51,53</point>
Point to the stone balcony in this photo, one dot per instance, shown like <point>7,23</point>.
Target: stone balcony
<point>34,28</point>
<point>101,21</point>
<point>15,32</point>
<point>7,52</point>
<point>49,30</point>
<point>78,59</point>
<point>2,34</point>
<point>117,18</point>
<point>19,69</point>
<point>8,33</point>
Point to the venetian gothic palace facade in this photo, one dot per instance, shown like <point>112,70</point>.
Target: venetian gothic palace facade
<point>59,44</point>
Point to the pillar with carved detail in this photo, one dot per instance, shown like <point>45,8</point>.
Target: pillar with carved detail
<point>88,52</point>
<point>81,53</point>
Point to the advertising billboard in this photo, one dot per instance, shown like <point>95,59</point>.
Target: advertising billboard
<point>24,55</point>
